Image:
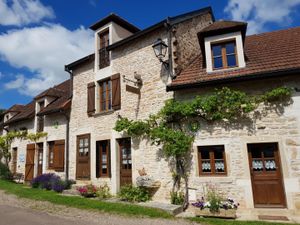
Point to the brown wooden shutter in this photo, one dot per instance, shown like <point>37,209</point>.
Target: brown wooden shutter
<point>91,99</point>
<point>59,155</point>
<point>116,91</point>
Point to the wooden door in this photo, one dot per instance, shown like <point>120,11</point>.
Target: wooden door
<point>29,167</point>
<point>83,157</point>
<point>40,159</point>
<point>125,161</point>
<point>14,160</point>
<point>266,176</point>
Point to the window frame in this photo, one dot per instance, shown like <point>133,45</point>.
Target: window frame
<point>99,161</point>
<point>103,44</point>
<point>51,145</point>
<point>224,54</point>
<point>211,149</point>
<point>108,93</point>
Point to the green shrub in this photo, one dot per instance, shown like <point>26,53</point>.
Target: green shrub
<point>134,194</point>
<point>214,199</point>
<point>177,198</point>
<point>103,192</point>
<point>5,173</point>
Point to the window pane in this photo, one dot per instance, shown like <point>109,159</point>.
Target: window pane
<point>205,154</point>
<point>218,153</point>
<point>218,63</point>
<point>206,167</point>
<point>230,48</point>
<point>231,61</point>
<point>217,50</point>
<point>269,152</point>
<point>219,166</point>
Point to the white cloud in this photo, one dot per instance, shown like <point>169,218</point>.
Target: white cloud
<point>43,50</point>
<point>260,12</point>
<point>22,12</point>
<point>17,83</point>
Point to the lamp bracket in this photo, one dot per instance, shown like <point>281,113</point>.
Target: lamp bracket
<point>136,82</point>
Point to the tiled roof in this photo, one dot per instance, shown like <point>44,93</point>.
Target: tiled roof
<point>15,108</point>
<point>27,112</point>
<point>62,100</point>
<point>266,53</point>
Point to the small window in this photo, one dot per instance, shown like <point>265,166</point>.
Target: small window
<point>105,94</point>
<point>51,154</point>
<point>212,160</point>
<point>224,55</point>
<point>103,159</point>
<point>40,124</point>
<point>104,59</point>
<point>56,153</point>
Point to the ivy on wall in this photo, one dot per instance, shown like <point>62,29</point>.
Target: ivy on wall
<point>174,127</point>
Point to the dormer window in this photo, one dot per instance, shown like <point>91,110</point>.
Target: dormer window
<point>104,59</point>
<point>224,55</point>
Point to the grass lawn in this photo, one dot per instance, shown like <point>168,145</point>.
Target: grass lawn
<point>24,191</point>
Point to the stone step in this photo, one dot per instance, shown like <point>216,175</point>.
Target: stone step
<point>169,208</point>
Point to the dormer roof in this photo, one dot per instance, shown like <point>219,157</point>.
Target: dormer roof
<point>222,26</point>
<point>270,54</point>
<point>118,20</point>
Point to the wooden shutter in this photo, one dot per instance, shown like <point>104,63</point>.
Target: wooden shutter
<point>91,99</point>
<point>59,155</point>
<point>116,91</point>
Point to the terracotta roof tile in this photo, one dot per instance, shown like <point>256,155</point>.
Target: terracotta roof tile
<point>62,100</point>
<point>264,53</point>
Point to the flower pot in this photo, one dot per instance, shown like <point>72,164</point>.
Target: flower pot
<point>229,213</point>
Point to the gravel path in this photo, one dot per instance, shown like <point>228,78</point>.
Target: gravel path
<point>18,211</point>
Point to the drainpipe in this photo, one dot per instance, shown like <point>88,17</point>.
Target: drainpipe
<point>169,27</point>
<point>67,142</point>
<point>68,124</point>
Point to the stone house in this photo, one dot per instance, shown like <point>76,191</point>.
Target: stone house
<point>47,112</point>
<point>255,162</point>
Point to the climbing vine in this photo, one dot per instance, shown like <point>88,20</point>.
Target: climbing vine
<point>7,140</point>
<point>174,127</point>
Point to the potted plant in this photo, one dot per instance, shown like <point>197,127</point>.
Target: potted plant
<point>214,205</point>
<point>88,191</point>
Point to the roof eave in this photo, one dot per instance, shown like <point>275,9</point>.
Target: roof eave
<point>254,76</point>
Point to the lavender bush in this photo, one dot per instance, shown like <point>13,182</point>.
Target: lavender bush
<point>50,181</point>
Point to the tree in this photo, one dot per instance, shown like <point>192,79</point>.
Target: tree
<point>7,140</point>
<point>2,111</point>
<point>174,127</point>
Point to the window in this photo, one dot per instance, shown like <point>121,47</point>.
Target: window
<point>40,119</point>
<point>103,159</point>
<point>40,124</point>
<point>56,157</point>
<point>105,95</point>
<point>212,160</point>
<point>224,55</point>
<point>104,59</point>
<point>51,154</point>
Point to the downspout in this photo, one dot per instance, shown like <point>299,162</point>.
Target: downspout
<point>67,142</point>
<point>169,27</point>
<point>68,124</point>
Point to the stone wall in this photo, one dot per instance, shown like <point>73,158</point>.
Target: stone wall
<point>186,44</point>
<point>280,125</point>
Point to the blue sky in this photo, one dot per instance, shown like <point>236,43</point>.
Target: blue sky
<point>38,37</point>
